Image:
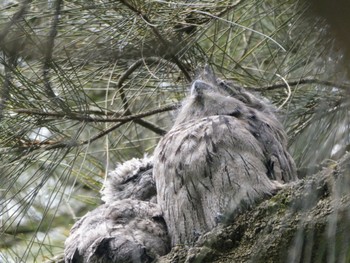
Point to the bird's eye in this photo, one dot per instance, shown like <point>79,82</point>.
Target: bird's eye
<point>236,113</point>
<point>253,117</point>
<point>225,87</point>
<point>158,218</point>
<point>199,86</point>
<point>133,178</point>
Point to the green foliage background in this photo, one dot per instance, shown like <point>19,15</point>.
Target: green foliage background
<point>87,84</point>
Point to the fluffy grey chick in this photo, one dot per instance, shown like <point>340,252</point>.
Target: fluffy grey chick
<point>129,227</point>
<point>121,231</point>
<point>216,159</point>
<point>131,179</point>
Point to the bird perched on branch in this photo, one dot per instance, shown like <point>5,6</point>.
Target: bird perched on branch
<point>128,228</point>
<point>132,179</point>
<point>226,151</point>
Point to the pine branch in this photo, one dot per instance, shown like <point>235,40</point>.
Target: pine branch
<point>165,43</point>
<point>48,58</point>
<point>86,118</point>
<point>302,82</point>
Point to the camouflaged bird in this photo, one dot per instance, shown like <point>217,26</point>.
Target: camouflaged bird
<point>129,227</point>
<point>226,151</point>
<point>132,179</point>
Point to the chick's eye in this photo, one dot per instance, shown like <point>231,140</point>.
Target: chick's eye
<point>236,113</point>
<point>221,83</point>
<point>199,87</point>
<point>134,178</point>
<point>225,87</point>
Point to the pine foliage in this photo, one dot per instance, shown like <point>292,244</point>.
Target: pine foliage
<point>87,84</point>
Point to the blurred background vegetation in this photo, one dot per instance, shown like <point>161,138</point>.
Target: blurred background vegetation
<point>86,84</point>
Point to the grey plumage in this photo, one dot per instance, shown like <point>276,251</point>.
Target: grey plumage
<point>226,150</point>
<point>129,227</point>
<point>131,179</point>
<point>122,231</point>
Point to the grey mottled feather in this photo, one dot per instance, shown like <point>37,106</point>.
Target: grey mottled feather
<point>131,179</point>
<point>129,227</point>
<point>122,231</point>
<point>226,150</point>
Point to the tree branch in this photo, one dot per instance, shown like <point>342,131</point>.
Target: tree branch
<point>165,43</point>
<point>5,90</point>
<point>48,58</point>
<point>129,71</point>
<point>124,99</point>
<point>50,145</point>
<point>15,18</point>
<point>86,118</point>
<point>301,82</point>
